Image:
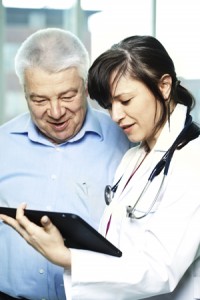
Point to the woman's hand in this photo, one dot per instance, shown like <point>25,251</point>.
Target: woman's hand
<point>46,239</point>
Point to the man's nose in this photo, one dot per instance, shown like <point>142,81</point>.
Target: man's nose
<point>56,110</point>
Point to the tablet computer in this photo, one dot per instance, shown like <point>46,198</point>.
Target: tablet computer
<point>76,232</point>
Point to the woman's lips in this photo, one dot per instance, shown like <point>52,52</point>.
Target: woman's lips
<point>127,128</point>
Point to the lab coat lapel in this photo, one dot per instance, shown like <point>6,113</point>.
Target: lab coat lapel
<point>143,172</point>
<point>166,138</point>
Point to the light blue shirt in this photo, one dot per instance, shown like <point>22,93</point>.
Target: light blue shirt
<point>69,177</point>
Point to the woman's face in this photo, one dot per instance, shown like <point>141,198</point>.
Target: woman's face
<point>135,109</point>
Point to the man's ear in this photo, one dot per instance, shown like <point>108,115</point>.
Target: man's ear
<point>165,85</point>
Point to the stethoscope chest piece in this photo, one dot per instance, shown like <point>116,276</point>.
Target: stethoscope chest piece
<point>110,191</point>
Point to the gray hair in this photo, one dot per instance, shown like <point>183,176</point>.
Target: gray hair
<point>52,50</point>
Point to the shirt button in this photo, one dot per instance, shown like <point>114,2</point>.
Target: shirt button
<point>53,176</point>
<point>41,271</point>
<point>58,149</point>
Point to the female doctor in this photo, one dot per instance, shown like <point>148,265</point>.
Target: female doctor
<point>153,212</point>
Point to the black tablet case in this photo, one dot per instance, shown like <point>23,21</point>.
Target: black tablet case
<point>76,232</point>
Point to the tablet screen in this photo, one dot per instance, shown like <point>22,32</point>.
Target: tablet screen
<point>76,232</point>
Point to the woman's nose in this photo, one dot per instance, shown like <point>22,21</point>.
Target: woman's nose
<point>117,112</point>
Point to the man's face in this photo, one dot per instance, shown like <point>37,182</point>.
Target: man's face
<point>57,102</point>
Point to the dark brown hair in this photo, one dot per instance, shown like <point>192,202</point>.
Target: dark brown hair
<point>144,58</point>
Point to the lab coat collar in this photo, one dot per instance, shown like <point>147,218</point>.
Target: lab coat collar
<point>170,133</point>
<point>164,142</point>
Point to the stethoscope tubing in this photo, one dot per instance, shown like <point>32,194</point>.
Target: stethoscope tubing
<point>189,132</point>
<point>131,209</point>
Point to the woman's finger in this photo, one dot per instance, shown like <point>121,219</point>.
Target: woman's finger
<point>15,225</point>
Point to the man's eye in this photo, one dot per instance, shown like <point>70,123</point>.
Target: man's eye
<point>67,98</point>
<point>39,101</point>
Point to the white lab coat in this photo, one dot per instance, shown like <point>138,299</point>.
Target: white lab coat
<point>161,252</point>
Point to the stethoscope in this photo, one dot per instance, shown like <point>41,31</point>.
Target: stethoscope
<point>189,132</point>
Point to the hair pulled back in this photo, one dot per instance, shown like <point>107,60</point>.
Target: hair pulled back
<point>142,57</point>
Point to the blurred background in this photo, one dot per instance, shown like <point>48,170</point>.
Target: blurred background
<point>99,24</point>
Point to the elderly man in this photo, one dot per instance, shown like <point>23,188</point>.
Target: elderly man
<point>58,156</point>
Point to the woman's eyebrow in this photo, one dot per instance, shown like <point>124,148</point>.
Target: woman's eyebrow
<point>121,94</point>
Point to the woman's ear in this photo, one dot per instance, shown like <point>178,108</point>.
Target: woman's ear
<point>165,85</point>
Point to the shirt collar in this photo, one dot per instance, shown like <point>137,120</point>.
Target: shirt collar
<point>26,126</point>
<point>90,125</point>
